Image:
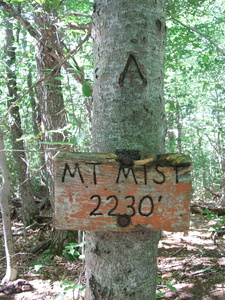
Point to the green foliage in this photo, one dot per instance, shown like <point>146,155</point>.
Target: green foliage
<point>68,286</point>
<point>171,287</point>
<point>168,285</point>
<point>71,252</point>
<point>194,88</point>
<point>43,261</point>
<point>86,90</point>
<point>219,220</point>
<point>74,94</point>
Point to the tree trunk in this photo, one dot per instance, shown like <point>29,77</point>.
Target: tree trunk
<point>29,208</point>
<point>35,110</point>
<point>179,128</point>
<point>42,191</point>
<point>11,267</point>
<point>128,113</point>
<point>50,96</point>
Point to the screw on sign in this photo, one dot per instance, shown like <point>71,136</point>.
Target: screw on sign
<point>97,191</point>
<point>123,220</point>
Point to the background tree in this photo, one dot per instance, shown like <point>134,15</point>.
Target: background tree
<point>29,208</point>
<point>50,98</point>
<point>11,264</point>
<point>194,90</point>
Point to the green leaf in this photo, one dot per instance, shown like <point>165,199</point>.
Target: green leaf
<point>74,287</point>
<point>74,245</point>
<point>205,85</point>
<point>74,252</point>
<point>86,90</point>
<point>214,227</point>
<point>171,287</point>
<point>71,285</point>
<point>218,86</point>
<point>67,282</point>
<point>160,295</point>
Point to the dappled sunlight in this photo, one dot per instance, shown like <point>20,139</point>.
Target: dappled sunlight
<point>191,263</point>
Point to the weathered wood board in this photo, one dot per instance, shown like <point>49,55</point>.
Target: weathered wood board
<point>94,191</point>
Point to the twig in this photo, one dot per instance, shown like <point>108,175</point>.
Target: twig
<point>21,232</point>
<point>174,254</point>
<point>16,254</point>
<point>41,167</point>
<point>63,62</point>
<point>19,61</point>
<point>24,94</point>
<point>78,15</point>
<point>43,247</point>
<point>201,271</point>
<point>29,151</point>
<point>78,26</point>
<point>181,264</point>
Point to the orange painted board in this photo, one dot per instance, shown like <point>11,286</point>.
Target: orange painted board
<point>94,191</point>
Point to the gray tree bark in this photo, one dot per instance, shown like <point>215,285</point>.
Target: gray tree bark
<point>11,264</point>
<point>128,113</point>
<point>29,208</point>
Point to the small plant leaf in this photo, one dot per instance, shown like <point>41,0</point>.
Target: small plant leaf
<point>86,90</point>
<point>160,295</point>
<point>171,287</point>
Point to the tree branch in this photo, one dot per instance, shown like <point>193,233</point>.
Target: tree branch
<point>79,26</point>
<point>25,23</point>
<point>24,94</point>
<point>35,34</point>
<point>77,14</point>
<point>62,61</point>
<point>201,34</point>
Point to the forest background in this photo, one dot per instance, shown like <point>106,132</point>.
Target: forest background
<point>46,82</point>
<point>194,89</point>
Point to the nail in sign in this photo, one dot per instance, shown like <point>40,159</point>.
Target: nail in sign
<point>94,191</point>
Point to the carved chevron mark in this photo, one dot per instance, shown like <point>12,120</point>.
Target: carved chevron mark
<point>132,69</point>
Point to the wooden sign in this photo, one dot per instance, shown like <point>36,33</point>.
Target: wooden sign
<point>95,191</point>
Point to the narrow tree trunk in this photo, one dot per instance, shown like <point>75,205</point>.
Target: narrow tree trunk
<point>11,264</point>
<point>36,121</point>
<point>35,111</point>
<point>29,208</point>
<point>128,113</point>
<point>179,128</point>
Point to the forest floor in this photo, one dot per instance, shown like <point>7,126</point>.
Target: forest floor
<point>190,267</point>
